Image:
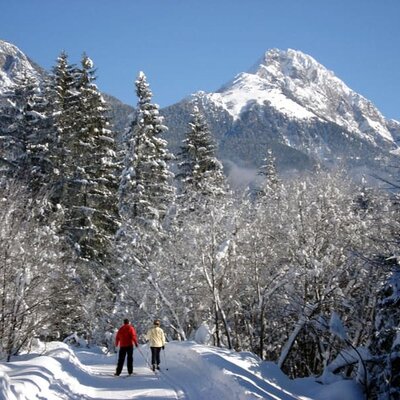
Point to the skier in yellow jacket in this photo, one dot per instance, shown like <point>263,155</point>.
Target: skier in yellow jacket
<point>156,338</point>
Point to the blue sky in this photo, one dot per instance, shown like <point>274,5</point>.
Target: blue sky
<point>188,45</point>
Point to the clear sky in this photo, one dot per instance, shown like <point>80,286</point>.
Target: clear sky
<point>188,45</point>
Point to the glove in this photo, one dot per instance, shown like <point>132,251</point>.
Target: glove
<point>163,347</point>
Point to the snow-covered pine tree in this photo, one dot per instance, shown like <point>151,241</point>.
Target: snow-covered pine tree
<point>41,143</point>
<point>269,175</point>
<point>84,160</point>
<point>24,141</point>
<point>145,190</point>
<point>200,172</point>
<point>93,205</point>
<point>64,97</point>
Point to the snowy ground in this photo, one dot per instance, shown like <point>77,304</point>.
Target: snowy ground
<point>189,371</point>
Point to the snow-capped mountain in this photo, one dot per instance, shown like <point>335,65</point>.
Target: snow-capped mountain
<point>301,88</point>
<point>294,105</point>
<point>13,64</point>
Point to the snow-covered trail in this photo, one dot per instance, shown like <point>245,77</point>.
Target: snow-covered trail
<point>189,371</point>
<point>143,384</point>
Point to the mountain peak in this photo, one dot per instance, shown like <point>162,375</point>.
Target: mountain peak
<point>293,63</point>
<point>297,86</point>
<point>290,69</point>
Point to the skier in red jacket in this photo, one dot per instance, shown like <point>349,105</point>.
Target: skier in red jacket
<point>126,338</point>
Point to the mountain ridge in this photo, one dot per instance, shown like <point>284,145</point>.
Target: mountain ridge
<point>287,102</point>
<point>292,104</point>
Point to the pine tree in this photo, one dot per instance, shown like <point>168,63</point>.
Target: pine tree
<point>146,191</point>
<point>25,144</point>
<point>270,184</point>
<point>94,182</point>
<point>199,169</point>
<point>64,98</point>
<point>85,181</point>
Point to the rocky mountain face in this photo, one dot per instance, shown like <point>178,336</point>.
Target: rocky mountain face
<point>287,102</point>
<point>13,64</point>
<point>290,103</point>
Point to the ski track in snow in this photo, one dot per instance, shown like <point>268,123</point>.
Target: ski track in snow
<point>189,371</point>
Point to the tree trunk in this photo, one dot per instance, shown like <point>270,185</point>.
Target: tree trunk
<point>309,310</point>
<point>262,331</point>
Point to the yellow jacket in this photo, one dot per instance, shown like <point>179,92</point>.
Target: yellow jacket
<point>156,337</point>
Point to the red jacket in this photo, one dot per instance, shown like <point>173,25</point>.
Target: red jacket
<point>126,336</point>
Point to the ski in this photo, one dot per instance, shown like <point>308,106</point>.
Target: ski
<point>155,372</point>
<point>125,376</point>
<point>159,371</point>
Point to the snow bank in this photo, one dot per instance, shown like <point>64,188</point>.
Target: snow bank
<point>5,390</point>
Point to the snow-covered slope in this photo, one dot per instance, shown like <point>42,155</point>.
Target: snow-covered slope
<point>299,87</point>
<point>13,64</point>
<point>189,371</point>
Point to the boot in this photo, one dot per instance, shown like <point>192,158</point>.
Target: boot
<point>153,367</point>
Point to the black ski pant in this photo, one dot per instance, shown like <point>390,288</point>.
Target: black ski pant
<point>155,355</point>
<point>123,352</point>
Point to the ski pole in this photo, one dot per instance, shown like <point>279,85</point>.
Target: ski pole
<point>116,357</point>
<point>165,360</point>
<point>145,358</point>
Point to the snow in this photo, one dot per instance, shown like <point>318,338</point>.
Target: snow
<point>248,89</point>
<point>203,334</point>
<point>300,88</point>
<point>13,64</point>
<point>336,326</point>
<point>189,371</point>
